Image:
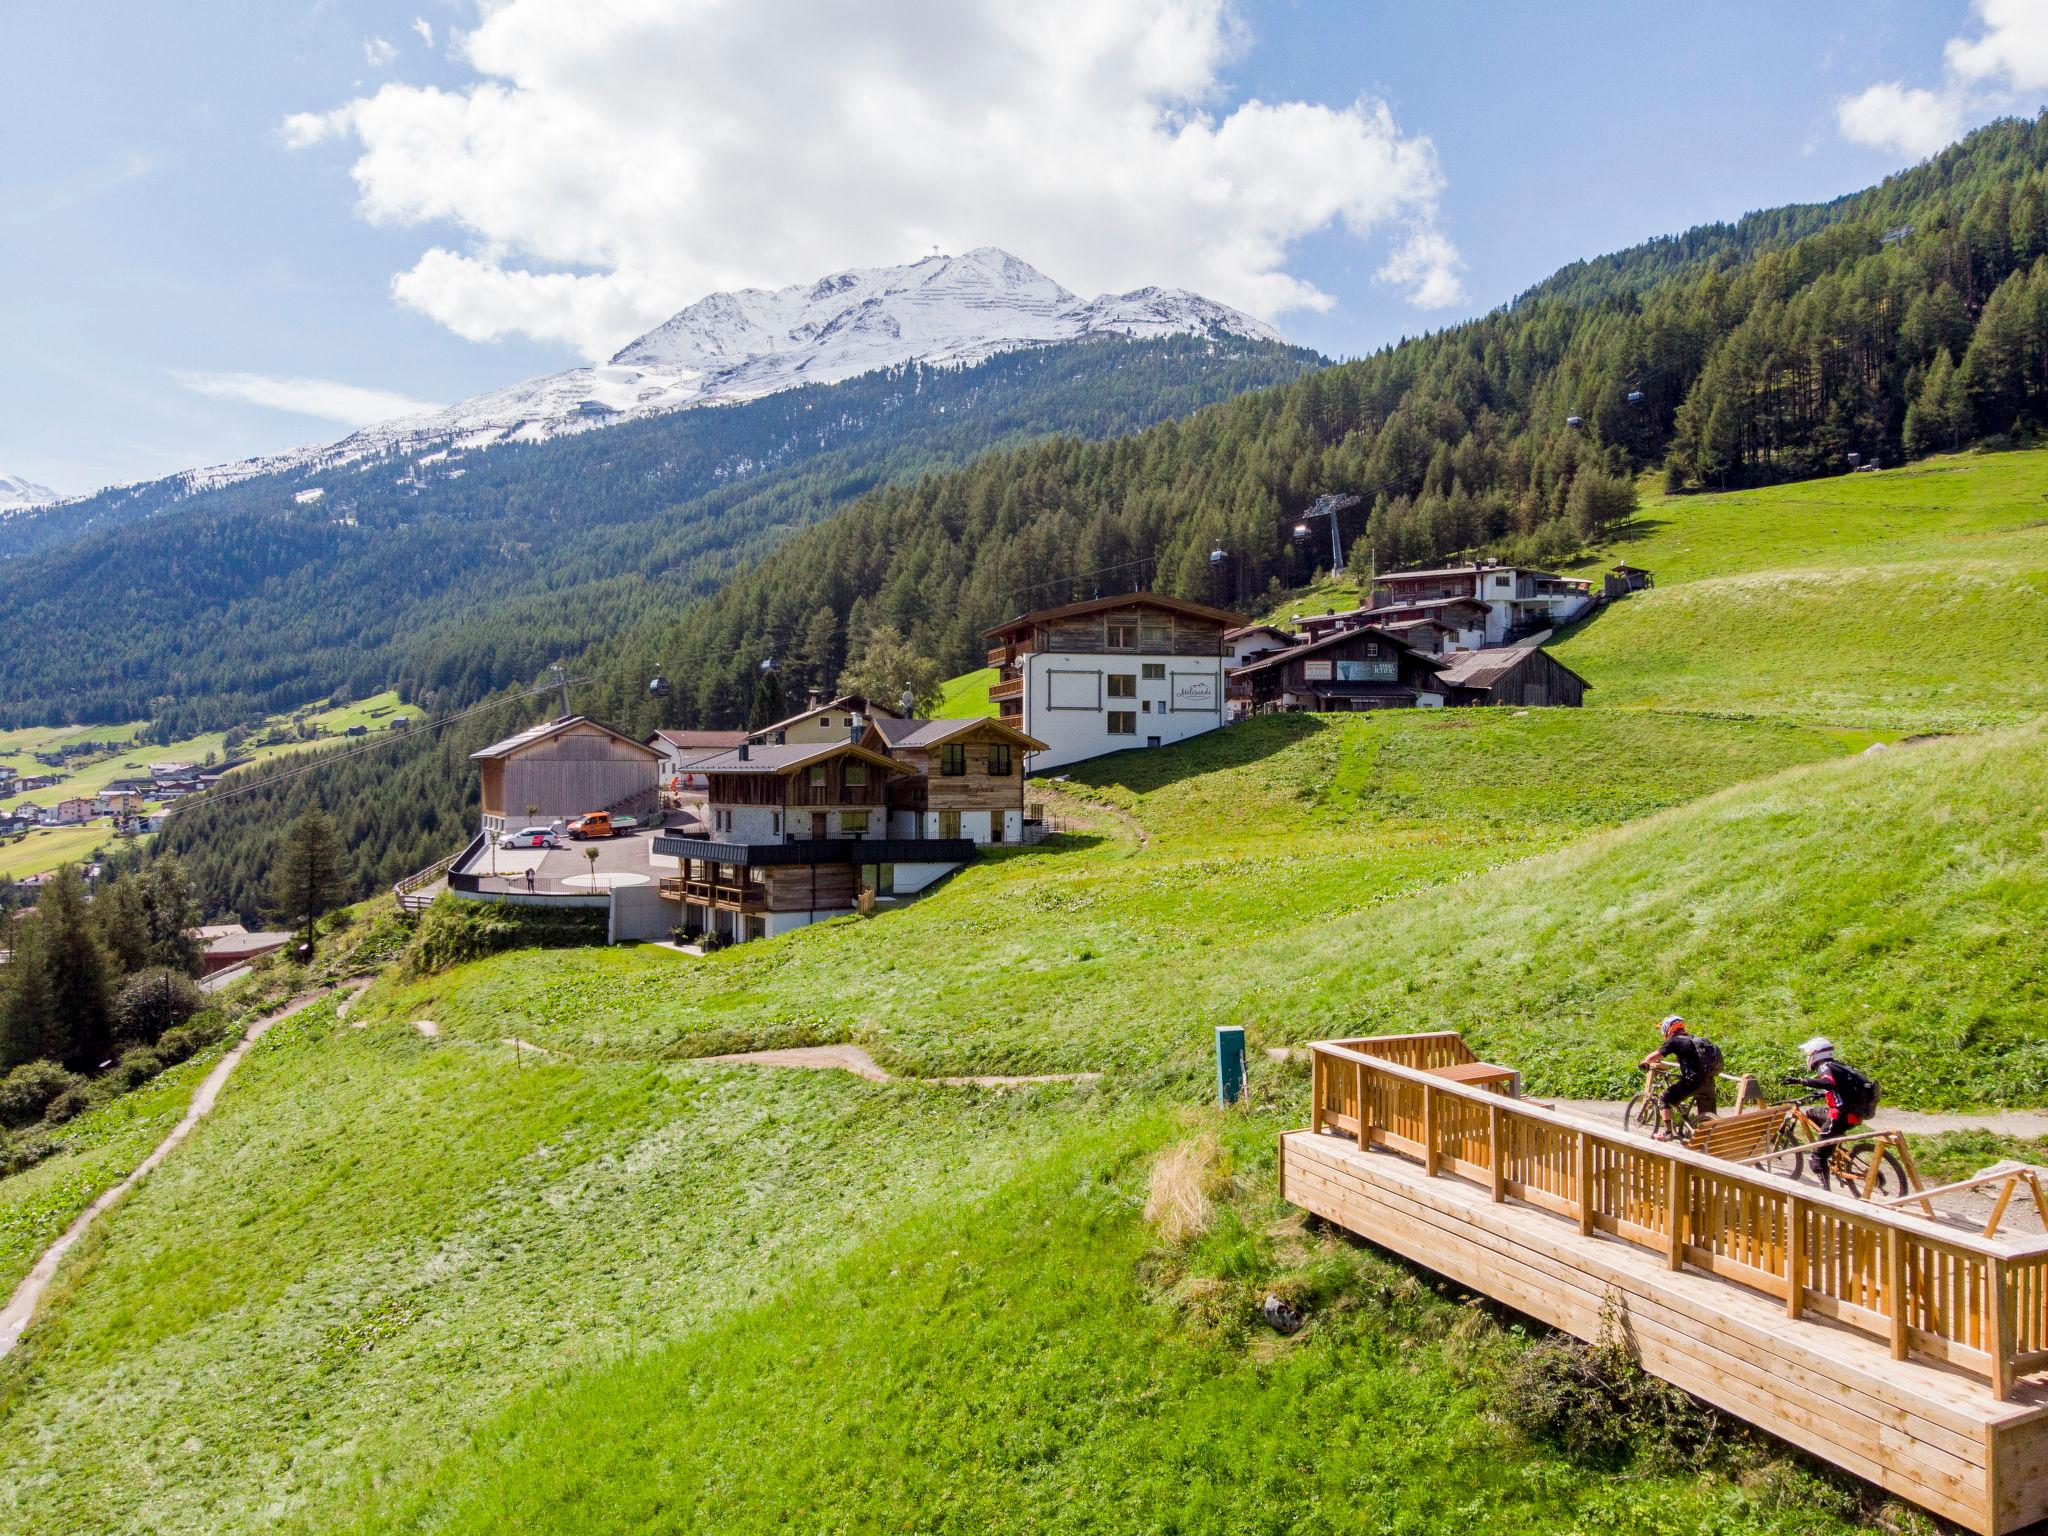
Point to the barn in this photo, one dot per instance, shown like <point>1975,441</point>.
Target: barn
<point>1525,675</point>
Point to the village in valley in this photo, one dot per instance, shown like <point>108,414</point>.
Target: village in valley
<point>720,836</point>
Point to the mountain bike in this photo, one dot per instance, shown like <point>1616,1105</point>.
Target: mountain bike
<point>1850,1163</point>
<point>1645,1112</point>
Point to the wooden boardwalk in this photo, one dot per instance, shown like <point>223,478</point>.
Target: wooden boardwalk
<point>1892,1346</point>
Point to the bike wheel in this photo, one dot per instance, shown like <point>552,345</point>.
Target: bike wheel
<point>1793,1166</point>
<point>1891,1174</point>
<point>1641,1114</point>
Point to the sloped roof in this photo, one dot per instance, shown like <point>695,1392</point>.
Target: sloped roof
<point>1465,570</point>
<point>1342,637</point>
<point>534,734</point>
<point>708,740</point>
<point>1252,629</point>
<point>1177,605</point>
<point>790,757</point>
<point>845,704</point>
<point>917,735</point>
<point>1483,669</point>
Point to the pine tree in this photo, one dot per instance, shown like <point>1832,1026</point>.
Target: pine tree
<point>78,976</point>
<point>768,703</point>
<point>311,874</point>
<point>25,1017</point>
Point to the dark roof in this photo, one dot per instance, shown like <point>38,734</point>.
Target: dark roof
<point>846,703</point>
<point>1251,629</point>
<point>247,943</point>
<point>539,733</point>
<point>1342,637</point>
<point>711,740</point>
<point>1463,570</point>
<point>1177,605</point>
<point>1427,602</point>
<point>788,758</point>
<point>1483,669</point>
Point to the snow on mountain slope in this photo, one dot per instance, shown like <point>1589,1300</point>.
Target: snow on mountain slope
<point>18,495</point>
<point>944,310</point>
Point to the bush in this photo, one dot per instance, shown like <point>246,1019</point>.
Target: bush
<point>188,1040</point>
<point>28,1090</point>
<point>68,1105</point>
<point>153,1001</point>
<point>454,931</point>
<point>21,1152</point>
<point>137,1067</point>
<point>1598,1405</point>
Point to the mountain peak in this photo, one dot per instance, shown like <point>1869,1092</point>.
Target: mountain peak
<point>18,495</point>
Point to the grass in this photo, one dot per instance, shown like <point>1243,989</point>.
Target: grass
<point>45,848</point>
<point>1895,600</point>
<point>966,697</point>
<point>400,1283</point>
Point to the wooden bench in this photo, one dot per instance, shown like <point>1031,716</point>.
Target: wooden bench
<point>1739,1137</point>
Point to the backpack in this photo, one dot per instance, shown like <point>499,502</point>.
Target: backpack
<point>1858,1094</point>
<point>1710,1059</point>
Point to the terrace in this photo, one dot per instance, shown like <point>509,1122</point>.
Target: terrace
<point>1895,1345</point>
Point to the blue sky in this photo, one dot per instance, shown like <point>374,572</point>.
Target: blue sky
<point>238,226</point>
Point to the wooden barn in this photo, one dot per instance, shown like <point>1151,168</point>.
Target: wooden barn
<point>564,769</point>
<point>1524,675</point>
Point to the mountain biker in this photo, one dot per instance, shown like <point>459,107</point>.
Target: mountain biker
<point>1699,1065</point>
<point>1849,1096</point>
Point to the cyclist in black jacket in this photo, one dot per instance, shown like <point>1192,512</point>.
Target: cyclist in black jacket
<point>1850,1097</point>
<point>1699,1065</point>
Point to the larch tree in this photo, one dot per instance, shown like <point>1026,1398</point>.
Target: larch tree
<point>311,875</point>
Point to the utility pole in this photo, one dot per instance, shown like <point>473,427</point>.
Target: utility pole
<point>561,674</point>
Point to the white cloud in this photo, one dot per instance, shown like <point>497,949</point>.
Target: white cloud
<point>1910,122</point>
<point>352,405</point>
<point>611,164</point>
<point>425,28</point>
<point>1983,74</point>
<point>2013,50</point>
<point>379,51</point>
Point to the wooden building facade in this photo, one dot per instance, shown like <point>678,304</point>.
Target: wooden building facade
<point>563,769</point>
<point>1350,669</point>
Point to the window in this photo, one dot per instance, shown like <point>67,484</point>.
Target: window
<point>818,776</point>
<point>1122,685</point>
<point>825,721</point>
<point>853,822</point>
<point>1503,581</point>
<point>949,823</point>
<point>999,760</point>
<point>1146,707</point>
<point>1123,722</point>
<point>1155,671</point>
<point>952,760</point>
<point>856,774</point>
<point>757,876</point>
<point>1122,637</point>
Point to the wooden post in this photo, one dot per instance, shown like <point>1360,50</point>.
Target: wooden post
<point>1795,1255</point>
<point>1585,1185</point>
<point>2012,1181</point>
<point>1677,1190</point>
<point>1316,1072</point>
<point>1428,1131</point>
<point>1496,1151</point>
<point>1364,1106</point>
<point>1895,1288</point>
<point>1998,1328</point>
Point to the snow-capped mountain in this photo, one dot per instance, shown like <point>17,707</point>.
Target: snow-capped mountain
<point>944,310</point>
<point>18,495</point>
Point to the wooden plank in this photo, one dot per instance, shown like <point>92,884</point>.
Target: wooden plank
<point>1496,1152</point>
<point>1584,1146</point>
<point>1895,1289</point>
<point>1795,1256</point>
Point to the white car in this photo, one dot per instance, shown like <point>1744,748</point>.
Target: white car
<point>529,837</point>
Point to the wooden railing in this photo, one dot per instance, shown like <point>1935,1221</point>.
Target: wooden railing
<point>1007,688</point>
<point>406,891</point>
<point>1976,1304</point>
<point>1000,655</point>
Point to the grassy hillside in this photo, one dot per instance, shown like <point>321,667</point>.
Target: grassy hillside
<point>966,697</point>
<point>1904,598</point>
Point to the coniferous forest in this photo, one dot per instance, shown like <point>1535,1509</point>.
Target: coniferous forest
<point>1904,319</point>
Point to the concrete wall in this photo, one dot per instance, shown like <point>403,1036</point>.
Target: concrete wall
<point>1072,734</point>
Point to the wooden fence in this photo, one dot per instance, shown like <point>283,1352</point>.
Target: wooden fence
<point>1977,1304</point>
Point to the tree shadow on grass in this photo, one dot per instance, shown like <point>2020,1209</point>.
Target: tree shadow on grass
<point>1142,770</point>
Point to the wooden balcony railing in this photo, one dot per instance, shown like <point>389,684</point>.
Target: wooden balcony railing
<point>717,893</point>
<point>1008,688</point>
<point>1976,1304</point>
<point>1001,655</point>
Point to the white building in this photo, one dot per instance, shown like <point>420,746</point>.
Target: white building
<point>1518,599</point>
<point>1137,670</point>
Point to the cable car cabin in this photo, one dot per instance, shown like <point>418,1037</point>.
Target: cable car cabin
<point>1575,421</point>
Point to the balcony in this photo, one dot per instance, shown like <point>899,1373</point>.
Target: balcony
<point>1007,688</point>
<point>714,893</point>
<point>1002,655</point>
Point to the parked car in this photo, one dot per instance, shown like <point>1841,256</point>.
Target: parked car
<point>602,824</point>
<point>530,837</point>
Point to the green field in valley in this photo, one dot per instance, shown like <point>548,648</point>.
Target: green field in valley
<point>447,1284</point>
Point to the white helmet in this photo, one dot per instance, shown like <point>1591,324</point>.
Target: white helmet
<point>1817,1050</point>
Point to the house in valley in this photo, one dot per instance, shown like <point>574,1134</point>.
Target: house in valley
<point>822,720</point>
<point>1348,669</point>
<point>1524,675</point>
<point>564,768</point>
<point>966,778</point>
<point>72,811</point>
<point>1138,670</point>
<point>794,832</point>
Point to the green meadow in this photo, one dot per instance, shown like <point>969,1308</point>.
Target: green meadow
<point>413,1283</point>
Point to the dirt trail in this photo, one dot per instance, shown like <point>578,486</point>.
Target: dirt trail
<point>1078,808</point>
<point>851,1058</point>
<point>21,1306</point>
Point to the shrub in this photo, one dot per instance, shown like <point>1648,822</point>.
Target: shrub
<point>190,1039</point>
<point>68,1105</point>
<point>1598,1405</point>
<point>21,1152</point>
<point>454,931</point>
<point>137,1067</point>
<point>28,1090</point>
<point>153,1001</point>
